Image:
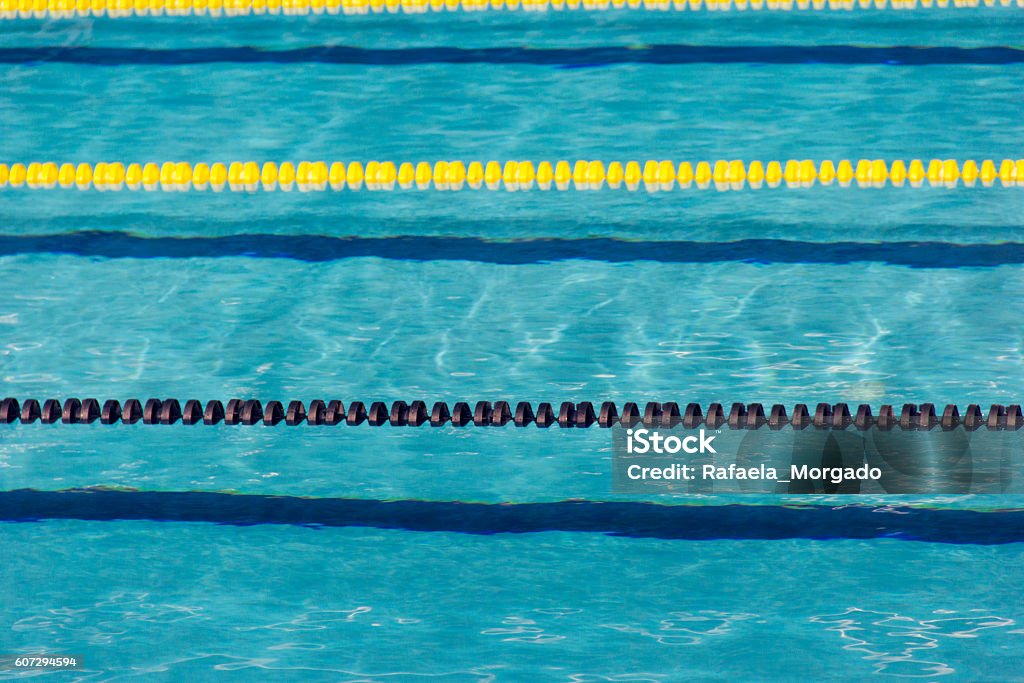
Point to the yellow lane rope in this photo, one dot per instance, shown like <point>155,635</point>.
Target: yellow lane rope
<point>25,9</point>
<point>650,175</point>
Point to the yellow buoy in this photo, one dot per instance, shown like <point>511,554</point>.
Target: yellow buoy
<point>525,175</point>
<point>879,173</point>
<point>950,172</point>
<point>406,175</point>
<point>1008,173</point>
<point>632,175</point>
<point>285,176</point>
<point>563,175</point>
<point>755,175</point>
<point>337,174</point>
<point>66,177</point>
<point>219,175</point>
<point>268,176</point>
<point>616,174</point>
<point>545,175</point>
<point>234,176</point>
<point>898,173</point>
<point>916,173</point>
<point>863,173</point>
<point>510,176</point>
<point>150,175</point>
<point>579,175</point>
<point>684,174</point>
<point>702,175</point>
<point>492,175</point>
<point>970,172</point>
<point>440,175</point>
<point>826,172</point>
<point>595,175</point>
<point>200,175</point>
<point>475,175</point>
<point>844,173</point>
<point>720,174</point>
<point>808,173</point>
<point>424,175</point>
<point>384,174</point>
<point>737,174</point>
<point>354,175</point>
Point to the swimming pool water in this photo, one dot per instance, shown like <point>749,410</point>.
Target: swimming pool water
<point>195,602</point>
<point>877,296</point>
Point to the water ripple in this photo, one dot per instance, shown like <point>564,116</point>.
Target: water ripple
<point>905,646</point>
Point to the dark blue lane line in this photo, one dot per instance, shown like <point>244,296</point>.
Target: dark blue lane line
<point>320,248</point>
<point>630,519</point>
<point>559,57</point>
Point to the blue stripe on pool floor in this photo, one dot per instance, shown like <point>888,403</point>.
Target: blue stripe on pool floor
<point>321,248</point>
<point>559,57</point>
<point>630,519</point>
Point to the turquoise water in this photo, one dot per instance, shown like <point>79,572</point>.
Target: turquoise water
<point>819,298</point>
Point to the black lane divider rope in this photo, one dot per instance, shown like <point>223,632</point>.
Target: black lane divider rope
<point>321,248</point>
<point>899,55</point>
<point>627,519</point>
<point>237,411</point>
